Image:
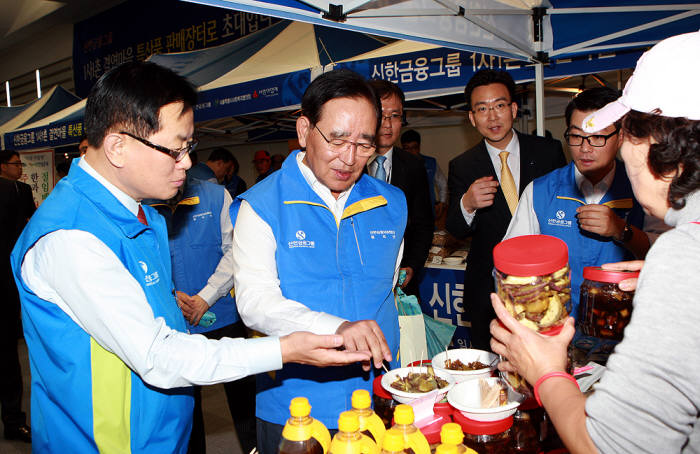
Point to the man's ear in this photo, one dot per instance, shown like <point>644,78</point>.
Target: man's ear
<point>514,109</point>
<point>114,146</point>
<point>303,129</point>
<point>471,118</point>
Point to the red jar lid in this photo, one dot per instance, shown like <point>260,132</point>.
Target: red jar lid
<point>596,273</point>
<point>378,390</point>
<point>469,426</point>
<point>443,409</point>
<point>530,255</point>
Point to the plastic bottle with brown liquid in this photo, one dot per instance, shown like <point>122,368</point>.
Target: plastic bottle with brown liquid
<point>451,435</point>
<point>415,441</point>
<point>393,443</point>
<point>303,434</point>
<point>349,440</point>
<point>370,423</point>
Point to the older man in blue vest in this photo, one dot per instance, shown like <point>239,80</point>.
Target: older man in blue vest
<point>112,364</point>
<point>317,247</point>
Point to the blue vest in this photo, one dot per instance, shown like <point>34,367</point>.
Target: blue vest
<point>343,267</point>
<point>430,169</point>
<point>194,234</point>
<point>557,217</point>
<point>84,398</point>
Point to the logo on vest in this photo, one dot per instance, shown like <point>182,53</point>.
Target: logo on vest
<point>150,279</point>
<point>559,219</point>
<point>301,241</point>
<point>201,216</point>
<point>374,234</point>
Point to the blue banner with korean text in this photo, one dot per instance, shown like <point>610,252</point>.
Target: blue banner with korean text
<point>449,70</point>
<point>442,297</point>
<point>54,135</point>
<point>136,29</point>
<point>255,96</point>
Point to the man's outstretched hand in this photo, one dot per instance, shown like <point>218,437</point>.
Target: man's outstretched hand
<point>319,350</point>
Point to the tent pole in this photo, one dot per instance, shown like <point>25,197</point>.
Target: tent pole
<point>539,97</point>
<point>7,93</point>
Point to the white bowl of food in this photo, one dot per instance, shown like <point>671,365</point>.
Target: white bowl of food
<point>412,383</point>
<point>465,363</point>
<point>480,401</point>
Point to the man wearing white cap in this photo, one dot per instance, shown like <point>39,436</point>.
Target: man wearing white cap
<point>647,401</point>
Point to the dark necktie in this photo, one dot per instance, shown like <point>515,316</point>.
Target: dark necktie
<point>142,216</point>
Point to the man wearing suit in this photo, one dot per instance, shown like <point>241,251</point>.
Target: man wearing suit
<point>484,192</point>
<point>407,173</point>
<point>16,206</point>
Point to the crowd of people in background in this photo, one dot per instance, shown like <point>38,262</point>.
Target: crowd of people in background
<point>153,282</point>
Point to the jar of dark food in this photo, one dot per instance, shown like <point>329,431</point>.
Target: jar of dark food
<point>486,437</point>
<point>382,402</point>
<point>524,433</point>
<point>604,309</point>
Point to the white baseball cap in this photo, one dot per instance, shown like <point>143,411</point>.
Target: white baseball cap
<point>666,78</point>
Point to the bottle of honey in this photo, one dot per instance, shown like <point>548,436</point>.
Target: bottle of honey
<point>370,423</point>
<point>451,434</point>
<point>393,443</point>
<point>302,434</point>
<point>349,440</point>
<point>415,441</point>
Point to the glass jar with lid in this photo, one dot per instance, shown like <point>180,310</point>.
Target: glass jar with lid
<point>382,402</point>
<point>604,309</point>
<point>486,437</point>
<point>533,280</point>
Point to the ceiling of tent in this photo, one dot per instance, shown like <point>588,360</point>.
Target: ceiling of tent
<point>509,28</point>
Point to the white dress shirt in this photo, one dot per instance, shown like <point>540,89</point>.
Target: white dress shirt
<point>372,164</point>
<point>77,272</point>
<point>513,149</point>
<point>221,281</point>
<point>525,222</point>
<point>260,301</point>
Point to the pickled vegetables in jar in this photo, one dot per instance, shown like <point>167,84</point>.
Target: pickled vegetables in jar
<point>534,281</point>
<point>605,310</point>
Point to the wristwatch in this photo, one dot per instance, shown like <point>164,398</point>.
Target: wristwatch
<point>626,234</point>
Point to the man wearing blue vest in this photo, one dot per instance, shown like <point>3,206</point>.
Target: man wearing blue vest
<point>200,232</point>
<point>111,363</point>
<point>589,203</point>
<point>317,247</point>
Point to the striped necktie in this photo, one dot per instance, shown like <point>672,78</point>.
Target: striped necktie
<point>142,216</point>
<point>380,173</point>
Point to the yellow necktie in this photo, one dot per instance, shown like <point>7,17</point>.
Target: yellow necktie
<point>507,183</point>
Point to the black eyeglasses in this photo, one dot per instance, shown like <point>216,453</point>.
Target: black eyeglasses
<point>595,140</point>
<point>339,145</point>
<point>21,164</point>
<point>176,154</point>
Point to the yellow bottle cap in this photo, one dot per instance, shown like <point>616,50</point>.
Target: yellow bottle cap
<point>299,407</point>
<point>348,422</point>
<point>446,449</point>
<point>403,414</point>
<point>451,433</point>
<point>361,399</point>
<point>393,441</point>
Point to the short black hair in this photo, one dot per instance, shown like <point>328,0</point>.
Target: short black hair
<point>340,83</point>
<point>220,154</point>
<point>385,89</point>
<point>6,155</point>
<point>410,136</point>
<point>488,77</point>
<point>129,97</point>
<point>591,99</point>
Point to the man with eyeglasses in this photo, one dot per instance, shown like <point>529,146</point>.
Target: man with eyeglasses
<point>16,207</point>
<point>589,203</point>
<point>407,172</point>
<point>317,247</point>
<point>112,363</point>
<point>484,185</point>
